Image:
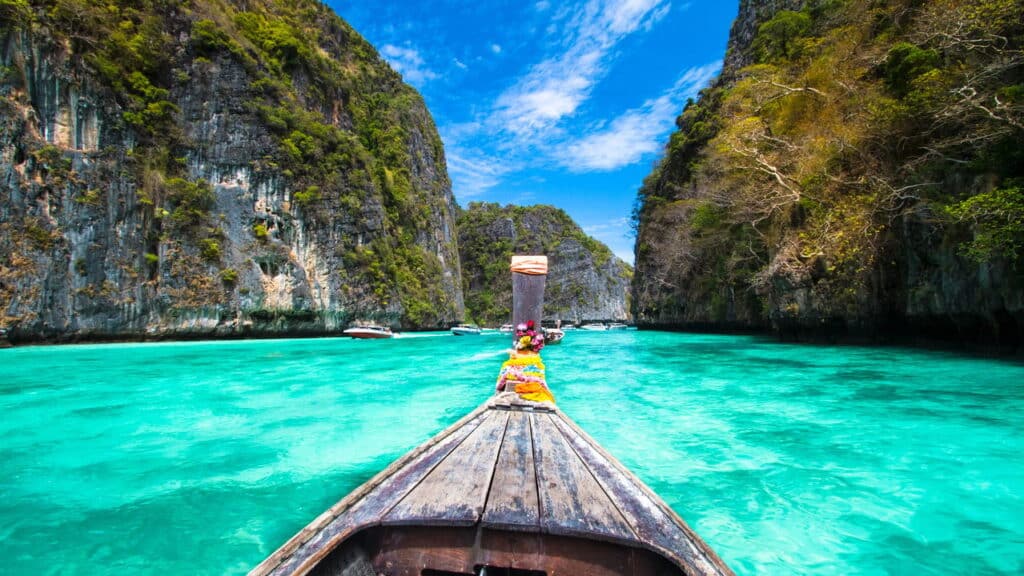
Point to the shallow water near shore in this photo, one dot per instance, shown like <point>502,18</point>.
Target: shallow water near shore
<point>203,457</point>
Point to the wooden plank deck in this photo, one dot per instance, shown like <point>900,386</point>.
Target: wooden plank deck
<point>572,501</point>
<point>510,465</point>
<point>512,502</point>
<point>455,491</point>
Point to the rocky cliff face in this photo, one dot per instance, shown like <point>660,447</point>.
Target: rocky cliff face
<point>210,168</point>
<point>585,280</point>
<point>855,172</point>
<point>752,13</point>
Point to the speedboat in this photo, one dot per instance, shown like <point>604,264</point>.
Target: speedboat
<point>594,327</point>
<point>369,332</point>
<point>466,330</point>
<point>507,328</point>
<point>617,326</point>
<point>553,335</point>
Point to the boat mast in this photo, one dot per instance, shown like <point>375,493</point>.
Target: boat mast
<point>529,274</point>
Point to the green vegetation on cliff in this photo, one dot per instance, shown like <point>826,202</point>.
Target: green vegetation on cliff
<point>351,146</point>
<point>867,151</point>
<point>585,280</point>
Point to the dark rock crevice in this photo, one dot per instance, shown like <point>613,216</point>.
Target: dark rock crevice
<point>115,230</point>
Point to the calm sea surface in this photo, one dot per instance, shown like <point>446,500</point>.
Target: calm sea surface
<point>202,458</point>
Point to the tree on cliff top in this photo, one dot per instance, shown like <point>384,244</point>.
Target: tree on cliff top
<point>852,117</point>
<point>337,129</point>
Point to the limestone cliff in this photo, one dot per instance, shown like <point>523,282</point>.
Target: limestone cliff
<point>752,13</point>
<point>186,169</point>
<point>585,280</point>
<point>856,171</point>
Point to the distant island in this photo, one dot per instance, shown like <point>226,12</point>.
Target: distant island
<point>585,280</point>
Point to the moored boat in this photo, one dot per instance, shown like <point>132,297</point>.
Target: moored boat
<point>507,328</point>
<point>466,330</point>
<point>617,326</point>
<point>369,332</point>
<point>553,335</point>
<point>594,327</point>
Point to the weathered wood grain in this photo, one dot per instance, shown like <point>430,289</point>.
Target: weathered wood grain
<point>655,524</point>
<point>512,502</point>
<point>366,505</point>
<point>408,550</point>
<point>527,298</point>
<point>563,555</point>
<point>516,468</point>
<point>571,500</point>
<point>454,492</point>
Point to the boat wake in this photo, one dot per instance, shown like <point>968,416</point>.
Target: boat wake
<point>487,355</point>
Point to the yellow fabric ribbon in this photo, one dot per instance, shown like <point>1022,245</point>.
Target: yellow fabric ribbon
<point>535,392</point>
<point>525,360</point>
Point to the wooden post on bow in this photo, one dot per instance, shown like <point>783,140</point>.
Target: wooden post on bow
<point>529,274</point>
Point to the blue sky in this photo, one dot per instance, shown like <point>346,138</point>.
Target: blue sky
<point>544,102</point>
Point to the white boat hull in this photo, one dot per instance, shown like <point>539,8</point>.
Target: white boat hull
<point>368,333</point>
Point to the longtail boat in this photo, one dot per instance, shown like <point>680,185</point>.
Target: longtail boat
<point>513,488</point>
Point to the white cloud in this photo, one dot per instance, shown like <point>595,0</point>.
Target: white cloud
<point>556,87</point>
<point>626,16</point>
<point>616,234</point>
<point>539,118</point>
<point>459,64</point>
<point>637,132</point>
<point>496,48</point>
<point>657,16</point>
<point>599,230</point>
<point>455,132</point>
<point>542,5</point>
<point>408,63</point>
<point>473,174</point>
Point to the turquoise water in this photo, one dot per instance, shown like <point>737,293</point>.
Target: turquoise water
<point>201,458</point>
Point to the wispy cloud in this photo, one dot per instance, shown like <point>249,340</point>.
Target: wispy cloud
<point>459,64</point>
<point>408,62</point>
<point>556,87</point>
<point>597,230</point>
<point>616,235</point>
<point>473,174</point>
<point>496,48</point>
<point>537,120</point>
<point>637,132</point>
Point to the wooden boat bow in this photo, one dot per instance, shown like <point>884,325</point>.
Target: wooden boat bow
<point>511,469</point>
<point>515,487</point>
